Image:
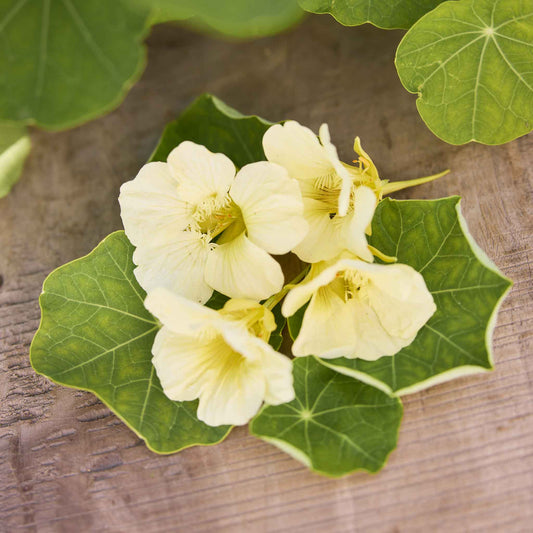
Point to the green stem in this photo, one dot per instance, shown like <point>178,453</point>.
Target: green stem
<point>275,299</point>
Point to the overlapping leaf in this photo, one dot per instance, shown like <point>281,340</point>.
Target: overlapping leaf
<point>335,425</point>
<point>432,237</point>
<point>14,148</point>
<point>96,335</point>
<point>210,122</point>
<point>470,64</point>
<point>387,14</point>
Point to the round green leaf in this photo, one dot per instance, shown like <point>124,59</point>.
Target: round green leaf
<point>15,146</point>
<point>470,64</point>
<point>335,425</point>
<point>211,122</point>
<point>66,61</point>
<point>386,14</point>
<point>96,335</point>
<point>432,237</point>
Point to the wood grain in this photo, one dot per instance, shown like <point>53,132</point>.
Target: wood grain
<point>464,461</point>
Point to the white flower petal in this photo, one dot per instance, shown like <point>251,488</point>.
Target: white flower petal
<point>323,239</point>
<point>233,398</point>
<point>271,206</point>
<point>276,368</point>
<point>371,339</point>
<point>150,205</point>
<point>296,148</point>
<point>365,202</point>
<point>319,276</point>
<point>327,328</point>
<point>177,313</point>
<point>240,269</point>
<point>178,363</point>
<point>176,262</point>
<point>401,300</point>
<point>200,173</point>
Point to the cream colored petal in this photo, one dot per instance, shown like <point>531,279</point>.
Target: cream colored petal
<point>179,362</point>
<point>271,206</point>
<point>179,314</point>
<point>232,397</point>
<point>346,187</point>
<point>240,269</point>
<point>327,328</point>
<point>150,205</point>
<point>275,368</point>
<point>401,300</point>
<point>177,264</point>
<point>319,276</point>
<point>354,231</point>
<point>322,241</point>
<point>296,148</point>
<point>371,339</point>
<point>200,173</point>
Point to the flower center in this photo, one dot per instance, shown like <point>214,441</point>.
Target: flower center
<point>354,284</point>
<point>214,214</point>
<point>327,189</point>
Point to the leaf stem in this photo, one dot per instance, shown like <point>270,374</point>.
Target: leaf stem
<point>276,298</point>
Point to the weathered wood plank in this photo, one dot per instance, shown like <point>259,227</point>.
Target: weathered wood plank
<point>66,464</point>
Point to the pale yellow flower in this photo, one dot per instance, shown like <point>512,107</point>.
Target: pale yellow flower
<point>359,310</point>
<point>339,199</point>
<point>221,357</point>
<point>199,225</point>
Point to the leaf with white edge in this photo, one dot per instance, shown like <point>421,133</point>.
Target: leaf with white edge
<point>15,146</point>
<point>96,335</point>
<point>64,62</point>
<point>432,237</point>
<point>335,425</point>
<point>470,64</point>
<point>386,14</point>
<point>210,122</point>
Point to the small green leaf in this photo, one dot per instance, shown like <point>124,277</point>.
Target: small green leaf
<point>386,14</point>
<point>96,335</point>
<point>432,237</point>
<point>15,146</point>
<point>64,62</point>
<point>210,122</point>
<point>470,64</point>
<point>335,425</point>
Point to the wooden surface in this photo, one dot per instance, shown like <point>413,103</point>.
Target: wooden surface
<point>464,457</point>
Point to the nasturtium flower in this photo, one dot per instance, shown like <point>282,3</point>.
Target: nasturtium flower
<point>198,225</point>
<point>358,310</point>
<point>221,357</point>
<point>339,199</point>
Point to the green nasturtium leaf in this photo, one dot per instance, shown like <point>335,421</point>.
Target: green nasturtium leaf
<point>432,237</point>
<point>64,62</point>
<point>210,122</point>
<point>470,64</point>
<point>241,19</point>
<point>15,146</point>
<point>96,335</point>
<point>335,425</point>
<point>386,14</point>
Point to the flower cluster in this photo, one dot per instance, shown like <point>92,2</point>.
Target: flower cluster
<point>199,225</point>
